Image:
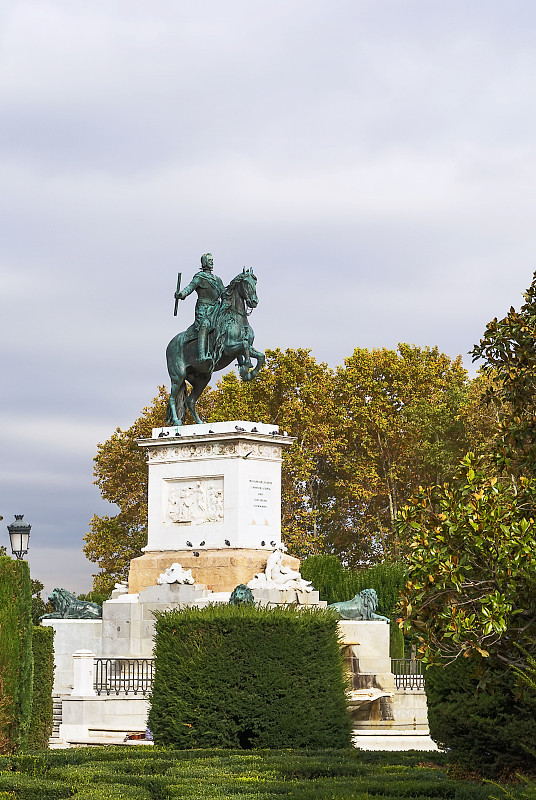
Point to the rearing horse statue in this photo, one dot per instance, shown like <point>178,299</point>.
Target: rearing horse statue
<point>232,337</point>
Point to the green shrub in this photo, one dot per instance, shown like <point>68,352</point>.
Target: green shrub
<point>43,681</point>
<point>28,787</point>
<point>337,583</point>
<point>240,676</point>
<point>16,660</point>
<point>484,730</point>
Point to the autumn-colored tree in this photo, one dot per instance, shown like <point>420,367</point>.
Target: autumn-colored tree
<point>480,420</point>
<point>121,475</point>
<point>401,427</point>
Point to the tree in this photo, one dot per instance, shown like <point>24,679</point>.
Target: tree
<point>16,659</point>
<point>471,574</point>
<point>508,349</point>
<point>121,475</point>
<point>39,607</point>
<point>401,427</point>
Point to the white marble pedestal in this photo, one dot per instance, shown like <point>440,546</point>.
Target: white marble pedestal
<point>214,502</point>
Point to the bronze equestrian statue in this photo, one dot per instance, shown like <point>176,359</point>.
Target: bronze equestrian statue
<point>220,333</point>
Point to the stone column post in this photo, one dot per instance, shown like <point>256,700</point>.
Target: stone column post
<point>83,674</point>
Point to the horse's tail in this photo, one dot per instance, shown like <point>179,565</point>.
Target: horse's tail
<point>175,359</point>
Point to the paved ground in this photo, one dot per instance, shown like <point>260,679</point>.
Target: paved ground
<point>365,740</point>
<point>393,740</point>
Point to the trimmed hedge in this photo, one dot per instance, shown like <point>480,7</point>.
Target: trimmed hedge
<point>337,583</point>
<point>43,682</point>
<point>139,773</point>
<point>247,677</point>
<point>16,660</point>
<point>487,731</point>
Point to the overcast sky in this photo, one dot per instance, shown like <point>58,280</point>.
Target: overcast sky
<point>373,160</point>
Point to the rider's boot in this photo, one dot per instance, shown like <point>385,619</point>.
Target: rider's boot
<point>204,358</point>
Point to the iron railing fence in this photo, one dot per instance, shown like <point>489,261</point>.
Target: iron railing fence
<point>408,673</point>
<point>123,675</point>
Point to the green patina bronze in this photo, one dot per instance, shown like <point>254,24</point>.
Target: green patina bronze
<point>360,607</point>
<point>242,595</point>
<point>221,332</point>
<point>70,607</point>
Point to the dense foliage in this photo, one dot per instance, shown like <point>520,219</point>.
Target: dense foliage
<point>491,732</point>
<point>43,682</point>
<point>242,676</point>
<point>16,660</point>
<point>472,578</point>
<point>508,350</point>
<point>336,582</point>
<point>129,773</point>
<point>367,434</point>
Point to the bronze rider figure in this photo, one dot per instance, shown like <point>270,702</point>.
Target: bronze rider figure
<point>209,289</point>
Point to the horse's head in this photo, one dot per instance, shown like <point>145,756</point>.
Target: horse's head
<point>247,287</point>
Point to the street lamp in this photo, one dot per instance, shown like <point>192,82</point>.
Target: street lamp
<point>19,533</point>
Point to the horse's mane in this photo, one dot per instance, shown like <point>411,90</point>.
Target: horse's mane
<point>226,312</point>
<point>229,290</point>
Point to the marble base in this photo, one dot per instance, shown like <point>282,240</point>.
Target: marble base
<point>214,483</point>
<point>368,642</point>
<point>219,570</point>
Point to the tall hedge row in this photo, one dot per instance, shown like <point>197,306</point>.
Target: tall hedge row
<point>16,659</point>
<point>337,583</point>
<point>245,677</point>
<point>490,730</point>
<point>43,682</point>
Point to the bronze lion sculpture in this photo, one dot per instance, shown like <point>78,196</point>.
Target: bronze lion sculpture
<point>70,607</point>
<point>242,595</point>
<point>360,607</point>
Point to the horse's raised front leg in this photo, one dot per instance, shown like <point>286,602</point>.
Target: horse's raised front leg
<point>248,374</point>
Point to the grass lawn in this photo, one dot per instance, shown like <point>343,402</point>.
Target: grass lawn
<point>142,773</point>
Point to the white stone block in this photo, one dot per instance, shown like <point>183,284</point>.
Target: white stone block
<point>71,635</point>
<point>370,643</point>
<point>84,673</point>
<point>80,715</point>
<point>173,593</point>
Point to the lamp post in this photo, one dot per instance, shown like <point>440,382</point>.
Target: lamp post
<point>19,533</point>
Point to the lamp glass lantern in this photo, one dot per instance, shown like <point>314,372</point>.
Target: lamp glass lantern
<point>19,533</point>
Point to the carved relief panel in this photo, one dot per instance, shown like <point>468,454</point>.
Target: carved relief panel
<point>189,452</point>
<point>193,501</point>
